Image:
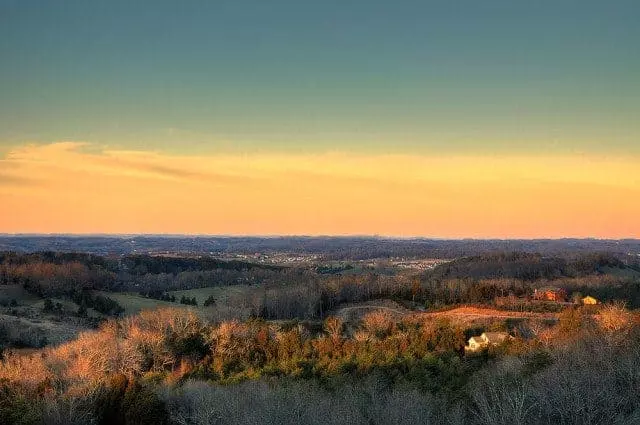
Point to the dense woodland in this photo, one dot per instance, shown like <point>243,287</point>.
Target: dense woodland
<point>57,274</point>
<point>295,292</point>
<point>168,366</point>
<point>293,360</point>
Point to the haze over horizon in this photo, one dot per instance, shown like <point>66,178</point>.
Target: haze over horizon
<point>475,120</point>
<point>292,236</point>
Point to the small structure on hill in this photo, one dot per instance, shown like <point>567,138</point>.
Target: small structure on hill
<point>550,294</point>
<point>485,340</point>
<point>589,300</point>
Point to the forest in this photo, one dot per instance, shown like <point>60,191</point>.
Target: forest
<point>308,292</point>
<point>195,339</point>
<point>167,366</point>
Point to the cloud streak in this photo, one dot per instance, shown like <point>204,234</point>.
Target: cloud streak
<point>13,180</point>
<point>76,187</point>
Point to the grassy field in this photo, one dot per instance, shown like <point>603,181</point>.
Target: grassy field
<point>626,273</point>
<point>354,312</point>
<point>26,324</point>
<point>134,303</point>
<point>37,332</point>
<point>17,293</point>
<point>220,293</point>
<point>131,302</point>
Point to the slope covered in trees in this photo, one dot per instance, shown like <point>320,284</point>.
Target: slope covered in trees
<point>525,266</point>
<point>167,366</point>
<point>54,274</point>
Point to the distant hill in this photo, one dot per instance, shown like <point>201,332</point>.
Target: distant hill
<point>527,266</point>
<point>328,246</point>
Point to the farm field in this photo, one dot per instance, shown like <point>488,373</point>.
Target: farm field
<point>471,313</point>
<point>17,293</point>
<point>134,303</point>
<point>220,293</point>
<point>38,332</point>
<point>626,273</point>
<point>354,312</point>
<point>464,315</point>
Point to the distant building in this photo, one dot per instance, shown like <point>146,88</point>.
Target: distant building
<point>589,300</point>
<point>550,294</point>
<point>485,340</point>
<point>476,343</point>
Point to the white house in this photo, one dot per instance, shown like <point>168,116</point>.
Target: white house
<point>486,339</point>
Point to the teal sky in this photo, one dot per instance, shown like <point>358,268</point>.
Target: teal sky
<point>395,76</point>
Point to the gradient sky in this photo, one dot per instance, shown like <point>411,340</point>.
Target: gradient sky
<point>446,119</point>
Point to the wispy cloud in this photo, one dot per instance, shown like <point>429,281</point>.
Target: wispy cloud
<point>58,159</point>
<point>86,188</point>
<point>16,181</point>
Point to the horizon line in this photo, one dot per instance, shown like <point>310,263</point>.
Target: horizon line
<point>308,236</point>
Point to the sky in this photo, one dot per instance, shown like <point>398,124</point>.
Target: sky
<point>492,119</point>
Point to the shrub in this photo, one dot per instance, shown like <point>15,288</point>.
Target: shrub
<point>142,406</point>
<point>17,406</point>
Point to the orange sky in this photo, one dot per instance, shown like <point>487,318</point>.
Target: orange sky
<point>80,188</point>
